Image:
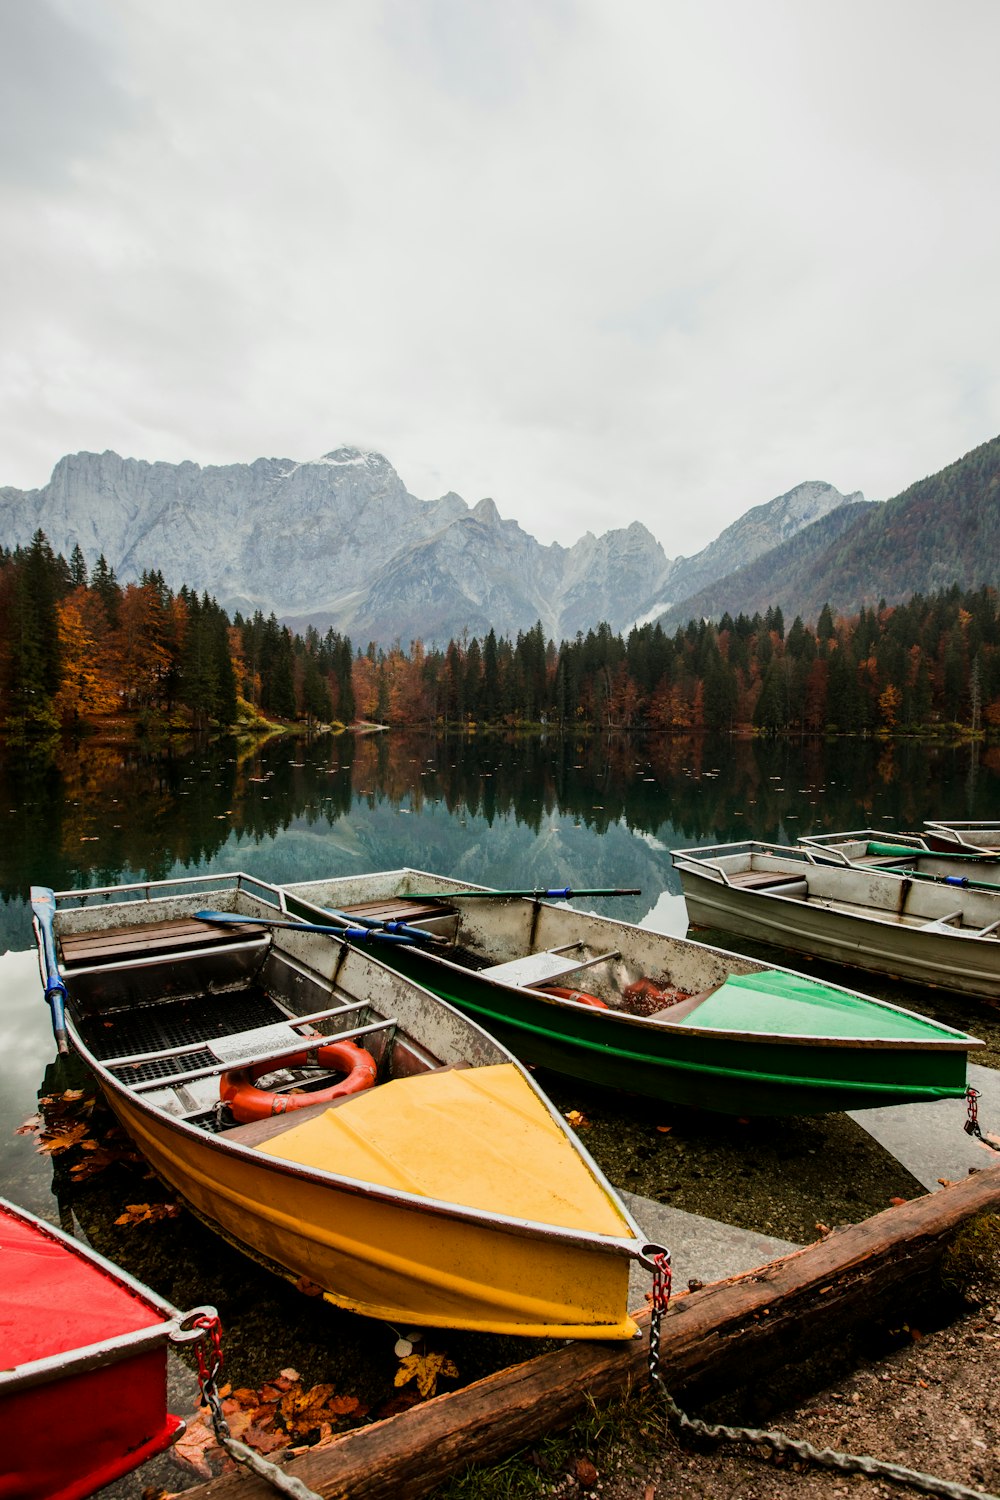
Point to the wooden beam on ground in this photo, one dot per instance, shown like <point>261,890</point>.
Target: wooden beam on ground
<point>714,1341</point>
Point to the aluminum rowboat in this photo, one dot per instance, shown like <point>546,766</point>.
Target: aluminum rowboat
<point>874,920</point>
<point>84,1390</point>
<point>450,1193</point>
<point>664,1017</point>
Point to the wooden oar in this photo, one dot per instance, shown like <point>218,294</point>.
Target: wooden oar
<point>347,934</point>
<point>562,893</point>
<point>43,909</point>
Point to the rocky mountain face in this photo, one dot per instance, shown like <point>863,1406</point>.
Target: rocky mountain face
<point>751,537</point>
<point>341,542</point>
<point>940,531</point>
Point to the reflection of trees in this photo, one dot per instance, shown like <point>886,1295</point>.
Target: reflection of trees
<point>88,813</point>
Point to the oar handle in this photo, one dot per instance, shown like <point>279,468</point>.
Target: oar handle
<point>43,909</point>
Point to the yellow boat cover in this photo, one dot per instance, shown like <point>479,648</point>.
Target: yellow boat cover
<point>479,1137</point>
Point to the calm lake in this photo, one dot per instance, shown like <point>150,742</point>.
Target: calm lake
<point>509,812</point>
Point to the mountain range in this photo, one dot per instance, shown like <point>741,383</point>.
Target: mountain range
<point>339,542</point>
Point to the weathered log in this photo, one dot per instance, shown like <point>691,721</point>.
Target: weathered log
<point>714,1341</point>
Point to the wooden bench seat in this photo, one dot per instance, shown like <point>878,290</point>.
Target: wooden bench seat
<point>758,880</point>
<point>397,909</point>
<point>116,944</point>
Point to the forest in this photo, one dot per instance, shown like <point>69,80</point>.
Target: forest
<point>77,648</point>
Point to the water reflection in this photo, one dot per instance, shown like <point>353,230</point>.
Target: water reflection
<point>510,811</point>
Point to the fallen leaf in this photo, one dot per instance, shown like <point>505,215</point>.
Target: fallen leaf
<point>71,1136</point>
<point>262,1441</point>
<point>426,1370</point>
<point>189,1450</point>
<point>345,1406</point>
<point>147,1213</point>
<point>584,1473</point>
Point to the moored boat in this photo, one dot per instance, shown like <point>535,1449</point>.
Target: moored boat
<point>419,1177</point>
<point>642,1012</point>
<point>83,1391</point>
<point>865,918</point>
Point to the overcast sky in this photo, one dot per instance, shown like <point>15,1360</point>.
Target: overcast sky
<point>603,260</point>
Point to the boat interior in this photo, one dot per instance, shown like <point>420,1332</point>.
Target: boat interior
<point>169,1007</point>
<point>562,970</point>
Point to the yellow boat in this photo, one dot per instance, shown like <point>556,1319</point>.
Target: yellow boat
<point>432,1186</point>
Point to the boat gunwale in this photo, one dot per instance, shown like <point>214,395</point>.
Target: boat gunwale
<point>359,1187</point>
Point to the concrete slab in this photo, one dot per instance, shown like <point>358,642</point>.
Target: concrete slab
<point>702,1249</point>
<point>929,1140</point>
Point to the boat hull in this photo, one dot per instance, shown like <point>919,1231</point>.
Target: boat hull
<point>393,1260</point>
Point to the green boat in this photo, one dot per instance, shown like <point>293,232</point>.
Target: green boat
<point>637,1011</point>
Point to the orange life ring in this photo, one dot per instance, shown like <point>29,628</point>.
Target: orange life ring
<point>580,996</point>
<point>236,1087</point>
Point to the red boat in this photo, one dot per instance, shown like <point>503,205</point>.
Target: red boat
<point>84,1349</point>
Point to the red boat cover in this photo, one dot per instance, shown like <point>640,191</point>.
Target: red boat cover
<point>52,1300</point>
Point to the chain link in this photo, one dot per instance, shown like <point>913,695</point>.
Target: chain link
<point>778,1442</point>
<point>972,1123</point>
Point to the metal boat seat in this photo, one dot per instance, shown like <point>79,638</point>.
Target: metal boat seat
<point>941,924</point>
<point>534,969</point>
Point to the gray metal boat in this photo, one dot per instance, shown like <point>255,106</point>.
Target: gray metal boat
<point>870,919</point>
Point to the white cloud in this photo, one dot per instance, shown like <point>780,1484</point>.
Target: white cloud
<point>660,260</point>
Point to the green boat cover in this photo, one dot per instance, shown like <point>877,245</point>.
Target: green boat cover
<point>792,1005</point>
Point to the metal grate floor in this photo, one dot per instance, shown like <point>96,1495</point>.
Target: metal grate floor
<point>177,1023</point>
<point>163,1067</point>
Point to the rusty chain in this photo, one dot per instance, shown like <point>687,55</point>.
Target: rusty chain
<point>204,1325</point>
<point>658,1259</point>
<point>972,1123</point>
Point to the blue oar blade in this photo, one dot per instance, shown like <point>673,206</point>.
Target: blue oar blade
<point>43,910</point>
